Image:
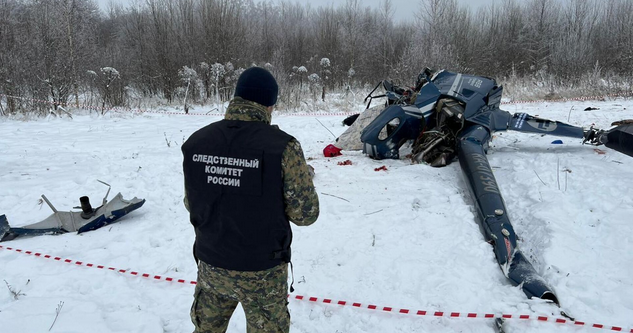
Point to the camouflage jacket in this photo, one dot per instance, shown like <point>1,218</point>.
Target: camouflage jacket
<point>300,197</point>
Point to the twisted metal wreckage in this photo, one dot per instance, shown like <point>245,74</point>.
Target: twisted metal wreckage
<point>87,219</point>
<point>446,116</point>
<point>451,115</point>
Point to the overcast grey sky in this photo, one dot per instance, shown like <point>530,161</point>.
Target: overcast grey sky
<point>403,9</point>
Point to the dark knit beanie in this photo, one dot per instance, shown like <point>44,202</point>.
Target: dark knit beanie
<point>258,85</point>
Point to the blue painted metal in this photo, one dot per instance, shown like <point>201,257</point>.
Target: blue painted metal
<point>103,220</point>
<point>480,99</point>
<point>68,221</point>
<point>524,122</point>
<point>409,126</point>
<point>620,139</point>
<point>492,215</point>
<point>4,226</point>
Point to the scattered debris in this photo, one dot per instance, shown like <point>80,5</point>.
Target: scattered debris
<point>378,211</point>
<point>591,109</point>
<point>331,151</point>
<point>317,119</point>
<point>600,151</point>
<point>382,168</point>
<point>539,177</point>
<point>87,219</point>
<point>335,196</point>
<point>350,120</point>
<point>622,122</point>
<point>346,162</point>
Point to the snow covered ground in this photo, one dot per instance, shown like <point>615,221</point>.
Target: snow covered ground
<point>402,238</point>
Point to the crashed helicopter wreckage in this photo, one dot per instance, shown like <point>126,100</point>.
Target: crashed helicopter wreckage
<point>87,219</point>
<point>452,116</point>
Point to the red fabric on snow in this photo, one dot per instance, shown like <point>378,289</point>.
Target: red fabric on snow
<point>331,151</point>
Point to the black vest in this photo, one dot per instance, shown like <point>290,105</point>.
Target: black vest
<point>234,186</point>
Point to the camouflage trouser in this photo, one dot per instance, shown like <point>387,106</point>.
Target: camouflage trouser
<point>263,294</point>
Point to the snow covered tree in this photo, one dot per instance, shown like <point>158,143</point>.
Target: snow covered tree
<point>325,75</point>
<point>217,74</point>
<point>188,76</point>
<point>47,45</point>
<point>205,77</point>
<point>229,80</point>
<point>301,73</point>
<point>108,76</point>
<point>315,83</point>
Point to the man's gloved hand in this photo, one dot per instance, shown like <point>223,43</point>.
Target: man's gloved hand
<point>311,171</point>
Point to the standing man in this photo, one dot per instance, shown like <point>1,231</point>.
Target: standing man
<point>244,180</point>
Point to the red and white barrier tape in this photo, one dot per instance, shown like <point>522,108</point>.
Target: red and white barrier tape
<point>317,114</point>
<point>469,315</point>
<point>81,263</point>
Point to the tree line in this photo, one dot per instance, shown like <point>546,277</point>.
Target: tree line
<point>192,51</point>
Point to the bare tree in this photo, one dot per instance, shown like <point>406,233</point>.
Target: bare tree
<point>351,32</point>
<point>47,46</point>
<point>188,76</point>
<point>108,76</point>
<point>541,25</point>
